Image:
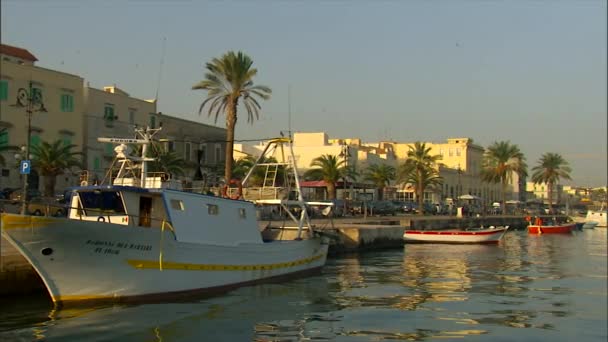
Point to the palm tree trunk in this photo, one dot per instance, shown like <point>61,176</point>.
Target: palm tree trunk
<point>420,194</point>
<point>49,185</point>
<point>230,126</point>
<point>504,197</point>
<point>331,190</point>
<point>380,193</point>
<point>550,195</point>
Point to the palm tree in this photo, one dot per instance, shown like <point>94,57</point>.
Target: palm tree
<point>52,160</point>
<point>419,170</point>
<point>329,169</point>
<point>227,80</point>
<point>500,161</point>
<point>241,167</point>
<point>381,175</point>
<point>167,161</point>
<point>550,169</point>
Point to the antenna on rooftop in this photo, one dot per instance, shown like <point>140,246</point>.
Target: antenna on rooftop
<point>160,68</point>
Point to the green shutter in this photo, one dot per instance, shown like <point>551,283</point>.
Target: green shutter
<point>67,103</point>
<point>3,138</point>
<point>109,149</point>
<point>152,121</point>
<point>34,140</point>
<point>96,163</point>
<point>3,90</point>
<point>70,103</point>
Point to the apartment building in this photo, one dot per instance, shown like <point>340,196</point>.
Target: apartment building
<point>49,102</point>
<point>62,107</point>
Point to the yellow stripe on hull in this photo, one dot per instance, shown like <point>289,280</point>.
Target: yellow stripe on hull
<point>149,264</point>
<point>13,221</point>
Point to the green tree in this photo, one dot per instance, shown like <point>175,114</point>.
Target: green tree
<point>500,161</point>
<point>228,80</point>
<point>167,161</point>
<point>261,172</point>
<point>419,169</point>
<point>329,169</point>
<point>381,175</point>
<point>52,160</point>
<point>550,169</point>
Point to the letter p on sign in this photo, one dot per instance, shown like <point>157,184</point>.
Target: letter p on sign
<point>26,166</point>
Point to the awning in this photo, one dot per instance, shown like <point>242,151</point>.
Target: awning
<point>313,184</point>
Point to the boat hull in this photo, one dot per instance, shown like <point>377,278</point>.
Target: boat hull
<point>557,229</point>
<point>488,236</point>
<point>92,261</point>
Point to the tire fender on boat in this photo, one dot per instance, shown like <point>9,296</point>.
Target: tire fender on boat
<point>101,219</point>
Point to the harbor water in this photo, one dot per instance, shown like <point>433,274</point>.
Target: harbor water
<point>527,288</point>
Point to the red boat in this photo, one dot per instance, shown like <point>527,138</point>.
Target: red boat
<point>558,228</point>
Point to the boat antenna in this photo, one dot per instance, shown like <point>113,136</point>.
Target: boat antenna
<point>289,110</point>
<point>160,68</point>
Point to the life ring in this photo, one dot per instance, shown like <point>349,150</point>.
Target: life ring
<point>239,192</point>
<point>528,218</point>
<point>101,219</point>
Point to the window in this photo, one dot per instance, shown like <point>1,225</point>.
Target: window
<point>152,121</point>
<point>66,139</point>
<point>451,152</point>
<point>5,172</point>
<point>96,163</point>
<point>187,148</point>
<point>34,140</point>
<point>67,103</point>
<point>108,115</point>
<point>177,205</point>
<point>242,213</point>
<point>202,153</point>
<point>218,153</point>
<point>213,209</point>
<point>132,116</point>
<point>109,149</point>
<point>3,90</point>
<point>105,202</point>
<point>3,138</point>
<point>36,95</point>
<point>458,151</point>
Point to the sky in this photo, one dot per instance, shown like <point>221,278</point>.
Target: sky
<point>529,72</point>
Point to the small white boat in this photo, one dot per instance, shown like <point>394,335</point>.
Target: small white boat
<point>598,216</point>
<point>476,235</point>
<point>136,239</point>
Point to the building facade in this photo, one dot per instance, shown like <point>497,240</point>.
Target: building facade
<point>55,104</point>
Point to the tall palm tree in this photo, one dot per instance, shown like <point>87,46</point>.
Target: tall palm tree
<point>329,169</point>
<point>227,80</point>
<point>52,160</point>
<point>550,169</point>
<point>419,170</point>
<point>381,175</point>
<point>500,161</point>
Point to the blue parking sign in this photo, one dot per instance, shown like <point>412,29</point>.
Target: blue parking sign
<point>25,167</point>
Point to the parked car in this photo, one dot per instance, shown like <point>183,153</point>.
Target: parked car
<point>400,206</point>
<point>46,206</point>
<point>381,208</point>
<point>16,196</point>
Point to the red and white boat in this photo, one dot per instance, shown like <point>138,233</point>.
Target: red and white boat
<point>561,228</point>
<point>477,235</point>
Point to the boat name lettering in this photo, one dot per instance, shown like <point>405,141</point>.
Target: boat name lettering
<point>123,245</point>
<point>106,250</point>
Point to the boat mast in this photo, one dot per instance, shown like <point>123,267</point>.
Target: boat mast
<point>146,135</point>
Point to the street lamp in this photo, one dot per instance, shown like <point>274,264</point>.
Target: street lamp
<point>32,102</point>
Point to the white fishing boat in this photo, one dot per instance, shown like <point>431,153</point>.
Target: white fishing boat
<point>142,238</point>
<point>475,235</point>
<point>598,216</point>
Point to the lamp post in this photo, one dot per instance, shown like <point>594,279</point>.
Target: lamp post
<point>345,156</point>
<point>32,102</point>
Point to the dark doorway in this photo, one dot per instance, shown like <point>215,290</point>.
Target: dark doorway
<point>145,211</point>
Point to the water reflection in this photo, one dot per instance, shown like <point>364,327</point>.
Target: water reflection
<point>527,287</point>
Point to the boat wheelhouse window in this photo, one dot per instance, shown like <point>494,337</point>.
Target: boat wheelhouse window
<point>177,205</point>
<point>242,213</point>
<point>213,209</point>
<point>102,202</point>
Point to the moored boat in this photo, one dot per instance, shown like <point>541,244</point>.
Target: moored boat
<point>540,227</point>
<point>598,216</point>
<point>143,238</point>
<point>477,235</point>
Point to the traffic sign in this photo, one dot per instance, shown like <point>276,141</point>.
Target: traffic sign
<point>26,167</point>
